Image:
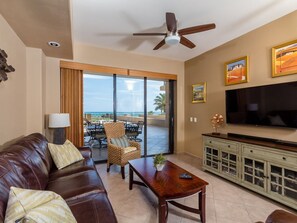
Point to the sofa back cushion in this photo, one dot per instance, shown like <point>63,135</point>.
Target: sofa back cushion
<point>25,165</point>
<point>39,143</point>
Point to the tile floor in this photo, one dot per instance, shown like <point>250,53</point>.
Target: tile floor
<point>225,202</point>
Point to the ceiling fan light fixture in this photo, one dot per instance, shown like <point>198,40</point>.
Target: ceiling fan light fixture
<point>172,39</point>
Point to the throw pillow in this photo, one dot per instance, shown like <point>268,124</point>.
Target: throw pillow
<point>120,142</point>
<point>36,206</point>
<point>64,155</point>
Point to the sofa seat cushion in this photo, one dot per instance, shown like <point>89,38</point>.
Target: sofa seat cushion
<point>64,155</point>
<point>92,208</point>
<point>77,184</point>
<point>83,165</point>
<point>37,206</point>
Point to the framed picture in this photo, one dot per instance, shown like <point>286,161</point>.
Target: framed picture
<point>236,71</point>
<point>199,92</point>
<point>284,59</point>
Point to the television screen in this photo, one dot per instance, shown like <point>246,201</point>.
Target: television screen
<point>270,105</point>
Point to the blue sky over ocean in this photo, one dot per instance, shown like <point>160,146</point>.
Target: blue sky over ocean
<point>98,94</point>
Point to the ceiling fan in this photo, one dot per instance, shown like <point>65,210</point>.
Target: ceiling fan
<point>174,36</point>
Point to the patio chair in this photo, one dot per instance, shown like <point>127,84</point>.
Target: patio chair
<point>140,127</point>
<point>119,155</point>
<point>132,131</point>
<point>100,135</point>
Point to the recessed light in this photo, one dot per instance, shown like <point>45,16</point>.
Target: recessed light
<point>54,44</point>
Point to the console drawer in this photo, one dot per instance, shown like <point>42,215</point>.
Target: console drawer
<point>270,154</point>
<point>253,151</point>
<point>221,144</point>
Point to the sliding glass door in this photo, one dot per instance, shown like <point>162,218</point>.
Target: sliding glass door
<point>144,105</point>
<point>130,107</point>
<point>98,108</point>
<point>158,114</point>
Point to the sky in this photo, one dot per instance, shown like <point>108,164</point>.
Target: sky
<point>98,94</point>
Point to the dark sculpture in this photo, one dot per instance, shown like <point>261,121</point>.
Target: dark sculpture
<point>4,67</point>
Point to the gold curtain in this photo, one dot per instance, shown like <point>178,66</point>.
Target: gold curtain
<point>72,103</point>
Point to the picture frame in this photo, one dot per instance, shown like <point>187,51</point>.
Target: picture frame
<point>284,59</point>
<point>236,71</point>
<point>199,92</point>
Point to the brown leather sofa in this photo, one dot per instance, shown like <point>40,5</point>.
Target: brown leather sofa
<point>28,164</point>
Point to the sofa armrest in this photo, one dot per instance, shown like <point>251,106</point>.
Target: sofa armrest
<point>85,151</point>
<point>281,216</point>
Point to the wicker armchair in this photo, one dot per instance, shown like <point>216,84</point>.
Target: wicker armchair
<point>117,155</point>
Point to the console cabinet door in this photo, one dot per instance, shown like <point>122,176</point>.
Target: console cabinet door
<point>211,158</point>
<point>283,183</point>
<point>229,164</point>
<point>254,173</point>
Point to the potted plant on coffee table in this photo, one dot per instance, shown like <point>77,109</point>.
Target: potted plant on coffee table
<point>159,162</point>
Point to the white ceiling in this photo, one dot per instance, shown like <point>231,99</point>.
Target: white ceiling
<point>110,23</point>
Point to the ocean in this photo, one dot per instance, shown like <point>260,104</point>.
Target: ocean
<point>133,114</point>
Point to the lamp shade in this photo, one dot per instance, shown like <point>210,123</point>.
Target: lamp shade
<point>58,120</point>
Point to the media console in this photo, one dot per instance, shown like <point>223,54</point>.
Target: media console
<point>266,166</point>
<point>257,138</point>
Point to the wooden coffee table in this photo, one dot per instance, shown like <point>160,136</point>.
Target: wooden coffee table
<point>167,185</point>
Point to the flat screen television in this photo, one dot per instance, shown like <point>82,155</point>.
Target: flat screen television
<point>269,105</point>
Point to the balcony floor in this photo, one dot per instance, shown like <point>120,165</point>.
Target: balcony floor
<point>157,142</point>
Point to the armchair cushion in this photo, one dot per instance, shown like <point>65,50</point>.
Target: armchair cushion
<point>120,142</point>
<point>129,149</point>
<point>37,206</point>
<point>64,155</point>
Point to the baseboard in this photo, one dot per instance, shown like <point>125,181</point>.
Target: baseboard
<point>191,154</point>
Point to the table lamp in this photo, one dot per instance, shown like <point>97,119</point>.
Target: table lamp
<point>58,121</point>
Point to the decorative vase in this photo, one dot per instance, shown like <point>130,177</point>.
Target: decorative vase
<point>159,167</point>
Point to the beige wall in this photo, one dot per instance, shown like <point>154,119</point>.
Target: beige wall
<point>13,112</point>
<point>35,90</point>
<point>209,67</point>
<point>106,57</point>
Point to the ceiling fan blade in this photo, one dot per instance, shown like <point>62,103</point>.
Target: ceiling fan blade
<point>160,44</point>
<point>149,34</point>
<point>186,42</point>
<point>171,22</point>
<point>196,29</point>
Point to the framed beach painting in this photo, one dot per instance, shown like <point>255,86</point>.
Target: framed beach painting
<point>284,59</point>
<point>199,92</point>
<point>236,71</point>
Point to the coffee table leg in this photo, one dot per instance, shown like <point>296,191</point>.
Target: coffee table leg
<point>162,210</point>
<point>130,178</point>
<point>202,204</point>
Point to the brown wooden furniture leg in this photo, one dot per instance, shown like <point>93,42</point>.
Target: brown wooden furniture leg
<point>123,171</point>
<point>130,178</point>
<point>202,204</point>
<point>162,210</point>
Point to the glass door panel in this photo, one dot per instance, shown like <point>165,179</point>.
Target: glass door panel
<point>98,108</point>
<point>130,107</point>
<point>229,164</point>
<point>253,172</point>
<point>158,114</point>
